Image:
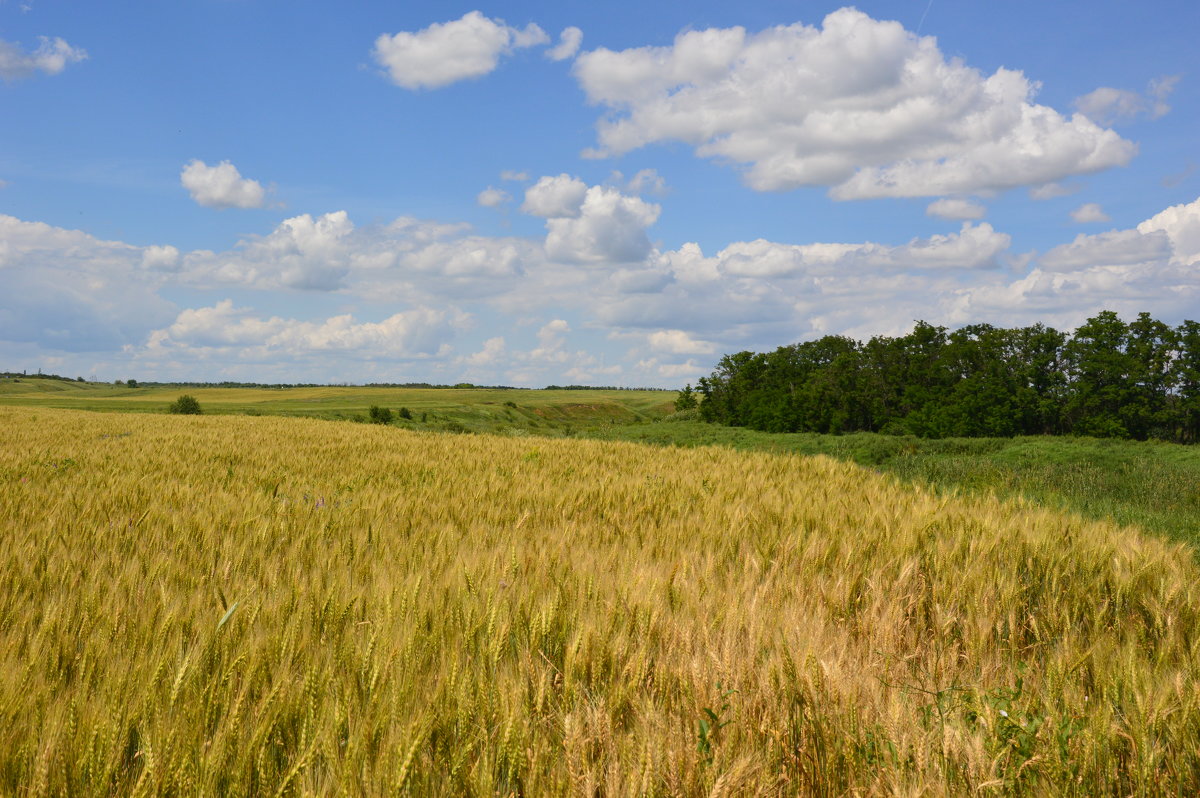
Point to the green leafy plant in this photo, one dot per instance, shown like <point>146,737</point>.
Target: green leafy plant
<point>379,415</point>
<point>1017,727</point>
<point>185,405</point>
<point>710,725</point>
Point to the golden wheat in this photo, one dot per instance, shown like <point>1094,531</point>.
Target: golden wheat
<point>253,606</point>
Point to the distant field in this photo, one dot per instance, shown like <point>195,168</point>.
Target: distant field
<point>474,409</point>
<point>228,605</point>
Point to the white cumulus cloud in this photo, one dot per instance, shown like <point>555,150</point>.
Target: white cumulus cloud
<point>301,252</point>
<point>1114,248</point>
<point>1107,105</point>
<point>609,228</point>
<point>67,290</point>
<point>1150,268</point>
<point>955,208</point>
<point>1157,93</point>
<point>973,247</point>
<point>568,44</point>
<point>447,52</point>
<point>647,181</point>
<point>561,195</point>
<point>410,292</point>
<point>51,57</point>
<point>417,333</point>
<point>690,368</point>
<point>860,105</point>
<point>399,260</point>
<point>492,197</point>
<point>1089,213</point>
<point>1181,224</point>
<point>679,342</point>
<point>162,258</point>
<point>221,186</point>
<point>551,339</point>
<point>1048,191</point>
<point>494,350</point>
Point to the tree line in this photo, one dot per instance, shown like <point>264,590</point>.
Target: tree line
<point>1108,379</point>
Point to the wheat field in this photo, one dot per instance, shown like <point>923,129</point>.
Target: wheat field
<point>269,606</point>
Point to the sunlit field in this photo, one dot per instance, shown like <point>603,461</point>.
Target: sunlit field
<point>1150,484</point>
<point>459,409</point>
<point>234,605</point>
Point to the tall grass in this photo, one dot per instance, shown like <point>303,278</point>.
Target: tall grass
<point>1151,484</point>
<point>251,606</point>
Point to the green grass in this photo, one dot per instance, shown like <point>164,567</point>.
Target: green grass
<point>458,410</point>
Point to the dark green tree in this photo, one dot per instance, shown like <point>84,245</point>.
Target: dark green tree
<point>1150,349</point>
<point>982,399</point>
<point>829,400</point>
<point>185,405</point>
<point>686,399</point>
<point>726,391</point>
<point>1110,378</point>
<point>1185,378</point>
<point>379,415</point>
<point>904,377</point>
<point>1036,357</point>
<point>1098,369</point>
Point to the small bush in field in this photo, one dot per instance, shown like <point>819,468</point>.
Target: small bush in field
<point>185,405</point>
<point>405,414</point>
<point>380,415</point>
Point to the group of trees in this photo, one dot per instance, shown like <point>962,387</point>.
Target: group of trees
<point>1109,379</point>
<point>382,415</point>
<point>20,375</point>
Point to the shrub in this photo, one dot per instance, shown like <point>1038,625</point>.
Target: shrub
<point>686,399</point>
<point>185,405</point>
<point>405,414</point>
<point>380,415</point>
<point>511,403</point>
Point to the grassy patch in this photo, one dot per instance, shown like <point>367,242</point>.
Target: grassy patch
<point>472,409</point>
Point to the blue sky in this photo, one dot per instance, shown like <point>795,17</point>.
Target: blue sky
<point>617,193</point>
